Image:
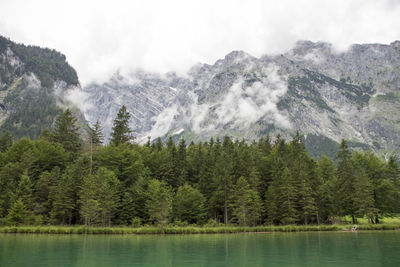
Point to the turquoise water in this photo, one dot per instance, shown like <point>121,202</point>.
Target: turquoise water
<point>266,249</point>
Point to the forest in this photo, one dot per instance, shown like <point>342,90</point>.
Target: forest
<point>60,179</point>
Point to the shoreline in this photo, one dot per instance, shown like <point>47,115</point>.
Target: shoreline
<point>189,229</point>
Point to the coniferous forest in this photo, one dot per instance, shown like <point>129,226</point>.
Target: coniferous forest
<point>60,179</point>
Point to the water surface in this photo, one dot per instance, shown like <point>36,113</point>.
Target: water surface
<point>267,249</point>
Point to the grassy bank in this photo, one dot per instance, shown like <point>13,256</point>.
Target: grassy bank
<point>187,229</point>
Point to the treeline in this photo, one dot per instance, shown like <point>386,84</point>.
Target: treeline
<point>59,179</point>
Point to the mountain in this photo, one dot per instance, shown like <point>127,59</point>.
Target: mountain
<point>324,94</point>
<point>34,87</point>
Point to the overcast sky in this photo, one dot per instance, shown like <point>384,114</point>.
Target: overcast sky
<point>99,37</point>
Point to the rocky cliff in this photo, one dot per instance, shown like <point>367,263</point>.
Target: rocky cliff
<point>324,94</point>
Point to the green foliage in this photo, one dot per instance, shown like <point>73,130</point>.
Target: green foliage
<point>31,105</point>
<point>66,133</point>
<point>121,133</point>
<point>189,205</point>
<point>159,202</point>
<point>18,213</point>
<point>228,182</point>
<point>124,160</point>
<point>34,109</point>
<point>346,181</point>
<point>247,205</point>
<point>96,136</point>
<point>5,141</point>
<point>49,65</point>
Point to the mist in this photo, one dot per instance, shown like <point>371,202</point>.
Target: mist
<point>240,106</point>
<point>102,37</point>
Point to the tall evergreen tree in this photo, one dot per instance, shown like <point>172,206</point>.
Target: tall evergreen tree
<point>346,182</point>
<point>121,133</point>
<point>159,202</point>
<point>21,211</point>
<point>66,132</point>
<point>96,134</point>
<point>247,204</point>
<point>393,175</point>
<point>326,205</point>
<point>108,196</point>
<point>363,196</point>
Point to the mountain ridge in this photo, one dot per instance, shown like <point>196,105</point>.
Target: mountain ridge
<point>324,94</point>
<point>313,88</point>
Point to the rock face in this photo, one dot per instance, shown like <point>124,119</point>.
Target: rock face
<point>324,94</point>
<point>34,88</point>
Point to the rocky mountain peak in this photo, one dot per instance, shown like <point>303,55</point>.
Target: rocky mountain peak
<point>311,89</point>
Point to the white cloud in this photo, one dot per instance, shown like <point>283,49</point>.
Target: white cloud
<point>99,37</point>
<point>163,122</point>
<point>248,104</point>
<point>241,106</point>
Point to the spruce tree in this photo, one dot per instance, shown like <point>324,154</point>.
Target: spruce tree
<point>108,196</point>
<point>363,197</point>
<point>96,134</point>
<point>346,180</point>
<point>121,133</point>
<point>159,202</point>
<point>247,204</point>
<point>66,132</point>
<point>18,213</point>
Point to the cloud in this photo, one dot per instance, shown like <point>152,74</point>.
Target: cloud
<point>99,37</point>
<point>163,122</point>
<point>244,105</point>
<point>241,106</point>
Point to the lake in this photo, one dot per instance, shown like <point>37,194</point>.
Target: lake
<point>372,248</point>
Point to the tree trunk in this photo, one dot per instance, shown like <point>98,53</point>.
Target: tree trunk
<point>225,213</point>
<point>353,219</point>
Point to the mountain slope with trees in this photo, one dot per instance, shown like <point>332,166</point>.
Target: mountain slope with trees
<point>33,85</point>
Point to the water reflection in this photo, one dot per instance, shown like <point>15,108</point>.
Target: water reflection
<point>268,249</point>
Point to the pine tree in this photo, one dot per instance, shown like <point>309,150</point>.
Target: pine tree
<point>21,211</point>
<point>96,134</point>
<point>363,196</point>
<point>159,202</point>
<point>121,133</point>
<point>65,195</point>
<point>43,188</point>
<point>89,204</point>
<point>393,175</point>
<point>326,205</point>
<point>108,196</point>
<point>62,197</point>
<point>247,204</point>
<point>346,180</point>
<point>66,132</point>
<point>287,199</point>
<point>132,200</point>
<point>24,191</point>
<point>18,213</point>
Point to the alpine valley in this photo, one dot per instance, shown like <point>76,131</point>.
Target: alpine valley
<point>323,94</point>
